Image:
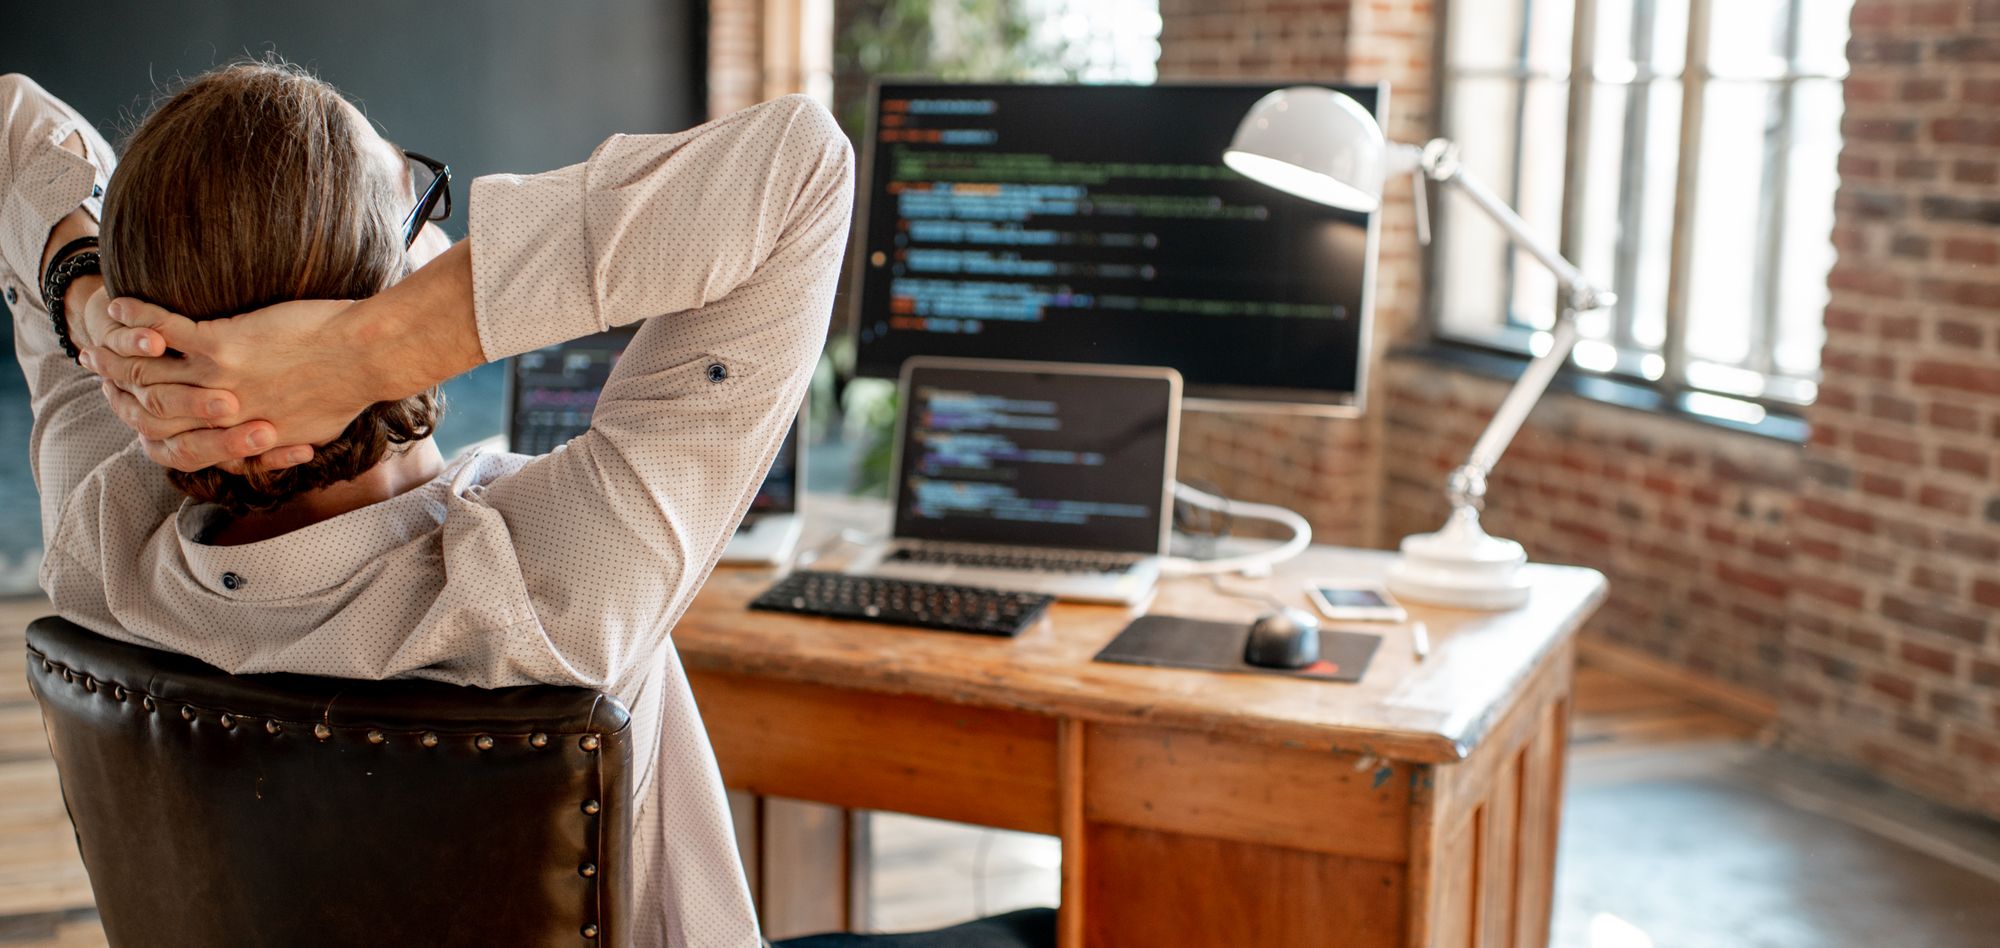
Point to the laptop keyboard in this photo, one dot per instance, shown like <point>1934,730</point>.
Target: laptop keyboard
<point>1027,561</point>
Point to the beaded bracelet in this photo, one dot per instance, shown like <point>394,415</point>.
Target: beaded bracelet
<point>63,271</point>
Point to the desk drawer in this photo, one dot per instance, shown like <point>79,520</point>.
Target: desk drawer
<point>882,752</point>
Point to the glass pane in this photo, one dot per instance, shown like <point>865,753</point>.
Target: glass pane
<point>1635,34</point>
<point>1551,24</point>
<point>1488,35</point>
<point>1485,34</point>
<point>1823,36</point>
<point>1729,280</point>
<point>1483,283</point>
<point>1749,38</point>
<point>1624,227</point>
<point>1807,238</point>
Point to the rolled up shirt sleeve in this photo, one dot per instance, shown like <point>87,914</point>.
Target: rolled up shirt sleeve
<point>726,240</point>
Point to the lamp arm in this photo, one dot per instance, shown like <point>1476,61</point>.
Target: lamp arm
<point>1439,161</point>
<point>1467,487</point>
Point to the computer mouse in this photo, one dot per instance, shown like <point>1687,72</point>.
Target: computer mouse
<point>1287,638</point>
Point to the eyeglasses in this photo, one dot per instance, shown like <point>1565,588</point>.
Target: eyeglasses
<point>430,181</point>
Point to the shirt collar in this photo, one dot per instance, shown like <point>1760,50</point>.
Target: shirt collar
<point>310,559</point>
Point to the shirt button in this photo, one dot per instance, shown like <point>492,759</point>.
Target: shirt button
<point>12,296</point>
<point>232,582</point>
<point>97,190</point>
<point>717,371</point>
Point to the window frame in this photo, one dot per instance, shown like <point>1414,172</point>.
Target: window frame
<point>1626,383</point>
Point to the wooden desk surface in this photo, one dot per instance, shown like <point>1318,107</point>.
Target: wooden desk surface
<point>1436,711</point>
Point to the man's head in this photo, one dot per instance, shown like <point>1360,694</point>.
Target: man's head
<point>252,185</point>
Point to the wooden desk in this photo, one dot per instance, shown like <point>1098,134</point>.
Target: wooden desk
<point>1418,807</point>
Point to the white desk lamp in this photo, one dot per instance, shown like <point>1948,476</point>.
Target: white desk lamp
<point>1323,146</point>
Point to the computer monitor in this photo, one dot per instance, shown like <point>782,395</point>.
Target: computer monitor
<point>551,393</point>
<point>1099,224</point>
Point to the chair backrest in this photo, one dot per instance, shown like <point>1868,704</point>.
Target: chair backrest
<point>217,809</point>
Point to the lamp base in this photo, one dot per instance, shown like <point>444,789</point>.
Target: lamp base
<point>1461,566</point>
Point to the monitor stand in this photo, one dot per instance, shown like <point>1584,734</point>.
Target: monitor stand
<point>766,541</point>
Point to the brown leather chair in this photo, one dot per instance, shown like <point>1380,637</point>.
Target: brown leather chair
<point>246,810</point>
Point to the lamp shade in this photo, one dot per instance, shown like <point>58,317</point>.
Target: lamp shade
<point>1312,142</point>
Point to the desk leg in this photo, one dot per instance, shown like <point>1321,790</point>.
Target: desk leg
<point>1069,780</point>
<point>807,864</point>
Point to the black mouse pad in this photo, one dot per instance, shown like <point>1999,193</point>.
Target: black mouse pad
<point>1174,642</point>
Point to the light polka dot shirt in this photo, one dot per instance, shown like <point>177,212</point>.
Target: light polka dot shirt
<point>570,568</point>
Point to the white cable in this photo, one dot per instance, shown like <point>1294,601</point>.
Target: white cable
<point>1271,513</point>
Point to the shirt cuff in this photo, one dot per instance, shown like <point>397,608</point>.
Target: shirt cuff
<point>532,280</point>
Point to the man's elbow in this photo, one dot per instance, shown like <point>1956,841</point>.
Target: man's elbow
<point>812,126</point>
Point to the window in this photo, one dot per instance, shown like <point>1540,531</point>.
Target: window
<point>1685,152</point>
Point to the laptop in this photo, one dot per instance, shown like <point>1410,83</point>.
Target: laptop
<point>550,396</point>
<point>1038,477</point>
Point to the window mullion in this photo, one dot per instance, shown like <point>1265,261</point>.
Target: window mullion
<point>1576,150</point>
<point>1694,88</point>
<point>1763,348</point>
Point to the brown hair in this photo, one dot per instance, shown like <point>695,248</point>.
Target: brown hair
<point>245,188</point>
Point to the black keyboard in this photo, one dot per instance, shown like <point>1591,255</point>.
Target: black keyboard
<point>904,602</point>
<point>1034,561</point>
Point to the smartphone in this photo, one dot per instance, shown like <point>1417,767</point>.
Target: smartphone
<point>1354,602</point>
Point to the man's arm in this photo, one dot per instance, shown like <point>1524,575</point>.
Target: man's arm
<point>52,167</point>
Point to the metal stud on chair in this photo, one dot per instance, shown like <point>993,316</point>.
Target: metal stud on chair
<point>589,742</point>
<point>322,732</point>
<point>118,693</point>
<point>538,739</point>
<point>590,931</point>
<point>90,684</point>
<point>228,721</point>
<point>587,870</point>
<point>591,807</point>
<point>483,742</point>
<point>187,712</point>
<point>272,726</point>
<point>430,739</point>
<point>377,737</point>
<point>147,703</point>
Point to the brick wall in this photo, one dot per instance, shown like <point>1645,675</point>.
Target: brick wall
<point>735,55</point>
<point>1895,649</point>
<point>1691,525</point>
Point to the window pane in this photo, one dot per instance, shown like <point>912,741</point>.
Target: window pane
<point>1624,232</point>
<point>1823,36</point>
<point>1748,38</point>
<point>1483,283</point>
<point>1735,207</point>
<point>1635,34</point>
<point>1484,34</point>
<point>1807,240</point>
<point>1489,35</point>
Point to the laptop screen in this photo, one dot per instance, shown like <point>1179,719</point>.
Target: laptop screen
<point>1032,454</point>
<point>552,392</point>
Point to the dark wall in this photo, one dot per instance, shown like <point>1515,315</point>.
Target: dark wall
<point>487,85</point>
